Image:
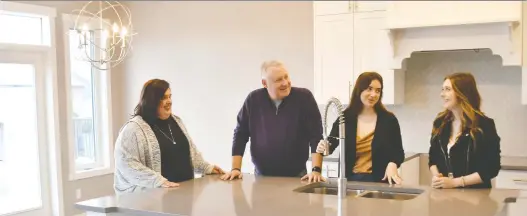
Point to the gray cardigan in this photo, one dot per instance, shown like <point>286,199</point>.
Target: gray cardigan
<point>138,158</point>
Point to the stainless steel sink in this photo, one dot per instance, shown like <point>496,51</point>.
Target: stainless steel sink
<point>362,191</point>
<point>388,195</point>
<point>329,190</point>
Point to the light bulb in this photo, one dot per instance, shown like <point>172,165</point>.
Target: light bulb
<point>115,28</point>
<point>124,32</point>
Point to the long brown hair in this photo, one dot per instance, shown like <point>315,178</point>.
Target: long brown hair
<point>363,82</point>
<point>469,100</point>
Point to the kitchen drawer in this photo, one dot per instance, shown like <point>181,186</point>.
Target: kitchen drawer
<point>512,179</point>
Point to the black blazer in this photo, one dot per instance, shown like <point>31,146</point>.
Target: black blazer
<point>386,145</point>
<point>465,157</point>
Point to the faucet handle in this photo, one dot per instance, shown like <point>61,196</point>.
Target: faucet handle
<point>326,147</point>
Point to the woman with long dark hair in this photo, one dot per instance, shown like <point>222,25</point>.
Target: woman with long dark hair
<point>464,146</point>
<point>153,148</point>
<point>373,141</point>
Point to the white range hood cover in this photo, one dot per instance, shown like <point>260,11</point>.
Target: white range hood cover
<point>435,26</point>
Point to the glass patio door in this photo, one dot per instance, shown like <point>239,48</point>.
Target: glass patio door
<point>24,166</point>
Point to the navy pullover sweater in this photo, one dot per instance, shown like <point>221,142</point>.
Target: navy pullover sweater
<point>280,136</point>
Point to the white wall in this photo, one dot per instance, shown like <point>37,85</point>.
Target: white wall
<point>211,53</point>
<point>500,88</point>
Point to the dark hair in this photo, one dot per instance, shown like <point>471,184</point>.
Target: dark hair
<point>468,97</point>
<point>151,96</point>
<point>363,82</point>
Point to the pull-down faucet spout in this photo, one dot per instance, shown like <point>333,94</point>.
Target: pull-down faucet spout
<point>342,181</point>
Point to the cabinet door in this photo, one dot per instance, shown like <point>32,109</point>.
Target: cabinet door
<point>512,179</point>
<point>331,7</point>
<point>368,6</point>
<point>333,57</point>
<point>372,43</point>
<point>373,51</point>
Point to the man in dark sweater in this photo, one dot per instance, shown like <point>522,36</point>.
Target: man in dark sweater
<point>282,122</point>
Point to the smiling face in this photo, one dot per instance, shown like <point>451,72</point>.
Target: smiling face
<point>164,110</point>
<point>448,95</point>
<point>370,96</point>
<point>277,82</point>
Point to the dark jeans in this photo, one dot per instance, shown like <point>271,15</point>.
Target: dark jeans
<point>301,174</point>
<point>362,177</point>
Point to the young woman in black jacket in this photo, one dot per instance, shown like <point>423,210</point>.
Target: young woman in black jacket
<point>464,145</point>
<point>373,140</point>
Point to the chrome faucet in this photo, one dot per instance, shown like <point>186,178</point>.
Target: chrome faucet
<point>341,181</point>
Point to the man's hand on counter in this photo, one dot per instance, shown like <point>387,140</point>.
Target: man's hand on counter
<point>313,177</point>
<point>233,174</point>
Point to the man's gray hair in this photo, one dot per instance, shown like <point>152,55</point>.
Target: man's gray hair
<point>268,64</point>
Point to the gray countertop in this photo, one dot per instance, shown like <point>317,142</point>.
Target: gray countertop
<point>275,196</point>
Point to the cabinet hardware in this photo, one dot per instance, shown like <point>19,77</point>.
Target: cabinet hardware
<point>520,180</point>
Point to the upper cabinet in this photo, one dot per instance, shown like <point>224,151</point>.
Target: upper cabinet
<point>332,7</point>
<point>342,7</point>
<point>410,14</point>
<point>351,38</point>
<point>369,6</point>
<point>373,52</point>
<point>333,57</point>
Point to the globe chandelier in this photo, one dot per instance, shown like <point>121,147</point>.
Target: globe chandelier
<point>101,42</point>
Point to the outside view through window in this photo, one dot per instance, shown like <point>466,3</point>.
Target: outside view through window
<point>20,186</point>
<point>82,105</point>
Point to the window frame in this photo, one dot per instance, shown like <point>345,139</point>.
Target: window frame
<point>102,107</point>
<point>47,51</point>
<point>46,15</point>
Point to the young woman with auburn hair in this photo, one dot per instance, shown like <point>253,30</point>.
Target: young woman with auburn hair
<point>464,145</point>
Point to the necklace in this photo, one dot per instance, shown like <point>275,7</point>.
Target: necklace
<point>159,129</point>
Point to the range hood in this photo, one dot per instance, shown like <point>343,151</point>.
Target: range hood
<point>423,26</point>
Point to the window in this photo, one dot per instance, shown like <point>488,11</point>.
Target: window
<point>29,144</point>
<point>20,140</point>
<point>26,24</point>
<point>23,29</point>
<point>82,101</point>
<point>88,92</point>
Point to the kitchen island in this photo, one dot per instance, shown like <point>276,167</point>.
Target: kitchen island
<point>255,195</point>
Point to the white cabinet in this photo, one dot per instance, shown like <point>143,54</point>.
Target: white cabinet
<point>329,169</point>
<point>369,6</point>
<point>331,7</point>
<point>373,52</point>
<point>512,179</point>
<point>350,43</point>
<point>333,57</point>
<point>409,14</point>
<point>342,7</point>
<point>332,169</point>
